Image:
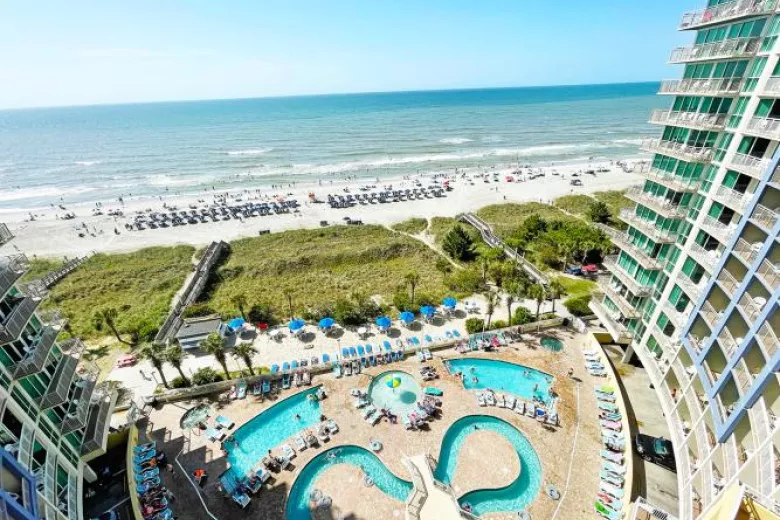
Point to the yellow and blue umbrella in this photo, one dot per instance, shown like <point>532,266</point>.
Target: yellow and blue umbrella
<point>393,382</point>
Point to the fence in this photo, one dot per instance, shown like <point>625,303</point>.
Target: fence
<point>68,267</point>
<point>193,288</point>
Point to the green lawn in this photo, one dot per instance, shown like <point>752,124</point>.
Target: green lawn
<point>577,286</point>
<point>39,267</point>
<point>319,266</point>
<point>413,226</point>
<point>575,204</point>
<point>138,285</point>
<point>616,201</point>
<point>505,218</point>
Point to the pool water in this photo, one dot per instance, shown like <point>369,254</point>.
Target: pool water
<point>402,399</point>
<point>552,344</point>
<point>270,428</point>
<point>514,497</point>
<point>523,382</point>
<point>384,479</point>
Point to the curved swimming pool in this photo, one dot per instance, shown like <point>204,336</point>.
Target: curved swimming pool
<point>270,428</point>
<point>523,382</point>
<point>298,502</point>
<point>514,497</point>
<point>401,399</point>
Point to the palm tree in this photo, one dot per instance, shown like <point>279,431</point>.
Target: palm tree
<point>174,355</point>
<point>412,279</point>
<point>491,298</point>
<point>244,351</point>
<point>155,353</point>
<point>239,300</point>
<point>556,290</point>
<point>108,317</point>
<point>288,294</point>
<point>537,292</point>
<point>213,345</point>
<point>511,297</point>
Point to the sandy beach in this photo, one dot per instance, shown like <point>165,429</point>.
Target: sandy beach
<point>48,235</point>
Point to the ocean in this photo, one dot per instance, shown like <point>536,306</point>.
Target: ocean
<point>99,153</point>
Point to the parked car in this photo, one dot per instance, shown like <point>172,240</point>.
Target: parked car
<point>127,360</point>
<point>576,271</point>
<point>656,450</point>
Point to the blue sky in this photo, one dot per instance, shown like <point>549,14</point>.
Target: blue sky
<point>87,52</point>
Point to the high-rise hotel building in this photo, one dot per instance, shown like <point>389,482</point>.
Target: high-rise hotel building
<point>694,287</point>
<point>53,416</point>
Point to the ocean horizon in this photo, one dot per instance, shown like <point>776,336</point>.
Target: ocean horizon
<point>94,153</point>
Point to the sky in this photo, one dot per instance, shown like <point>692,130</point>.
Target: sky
<point>55,53</point>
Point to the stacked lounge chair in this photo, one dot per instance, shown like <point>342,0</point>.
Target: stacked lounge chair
<point>609,500</point>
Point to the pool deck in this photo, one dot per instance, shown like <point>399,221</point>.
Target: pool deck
<point>495,468</point>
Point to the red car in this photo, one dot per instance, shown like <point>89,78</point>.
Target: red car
<point>127,360</point>
<point>590,269</point>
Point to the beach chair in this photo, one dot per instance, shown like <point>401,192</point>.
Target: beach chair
<point>611,456</point>
<point>144,456</point>
<point>283,462</point>
<point>214,434</point>
<point>490,399</point>
<point>608,407</point>
<point>147,475</point>
<point>368,411</point>
<point>606,512</point>
<point>613,479</point>
<point>428,355</point>
<point>287,451</point>
<point>224,422</point>
<point>241,389</point>
<point>481,401</point>
<point>420,356</point>
<point>322,433</point>
<point>144,447</point>
<point>501,401</point>
<point>332,426</point>
<point>147,485</point>
<point>611,425</point>
<point>286,381</point>
<point>611,490</point>
<point>297,379</point>
<point>520,407</point>
<point>607,398</point>
<point>257,389</point>
<point>455,333</point>
<point>415,341</point>
<point>373,418</point>
<point>347,369</point>
<point>300,443</point>
<point>613,468</point>
<point>610,416</point>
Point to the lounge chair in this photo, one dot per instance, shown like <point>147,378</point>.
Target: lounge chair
<point>490,399</point>
<point>373,418</point>
<point>257,389</point>
<point>224,422</point>
<point>147,475</point>
<point>501,401</point>
<point>617,505</point>
<point>322,433</point>
<point>611,456</point>
<point>428,355</point>
<point>455,333</point>
<point>611,490</point>
<point>608,407</point>
<point>520,407</point>
<point>613,479</point>
<point>606,512</point>
<point>481,401</point>
<point>613,468</point>
<point>241,499</point>
<point>611,425</point>
<point>144,447</point>
<point>509,402</point>
<point>407,423</point>
<point>266,386</point>
<point>241,389</point>
<point>300,443</point>
<point>213,434</point>
<point>610,416</point>
<point>332,426</point>
<point>144,456</point>
<point>310,438</point>
<point>297,379</point>
<point>368,411</point>
<point>348,369</point>
<point>420,356</point>
<point>607,398</point>
<point>283,462</point>
<point>286,381</point>
<point>287,451</point>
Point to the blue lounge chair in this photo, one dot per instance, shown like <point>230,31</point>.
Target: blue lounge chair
<point>144,456</point>
<point>455,333</point>
<point>214,434</point>
<point>241,389</point>
<point>364,362</point>
<point>325,358</point>
<point>352,352</point>
<point>361,351</point>
<point>415,341</point>
<point>147,475</point>
<point>369,348</point>
<point>266,386</point>
<point>224,422</point>
<point>372,360</point>
<point>345,352</point>
<point>147,485</point>
<point>274,369</point>
<point>285,366</point>
<point>144,447</point>
<point>285,381</point>
<point>294,365</point>
<point>428,339</point>
<point>386,345</point>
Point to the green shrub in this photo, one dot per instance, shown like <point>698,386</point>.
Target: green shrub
<point>522,316</point>
<point>179,382</point>
<point>205,375</point>
<point>578,306</point>
<point>474,325</point>
<point>198,310</point>
<point>262,313</point>
<point>458,244</point>
<point>498,324</point>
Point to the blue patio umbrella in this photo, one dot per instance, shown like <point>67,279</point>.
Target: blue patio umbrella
<point>406,317</point>
<point>352,351</point>
<point>296,324</point>
<point>369,348</point>
<point>325,358</point>
<point>383,321</point>
<point>449,301</point>
<point>274,369</point>
<point>285,366</point>
<point>236,323</point>
<point>427,310</point>
<point>294,365</point>
<point>387,346</point>
<point>326,323</point>
<point>345,352</point>
<point>428,338</point>
<point>361,350</point>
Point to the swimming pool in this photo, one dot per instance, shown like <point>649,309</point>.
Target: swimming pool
<point>298,502</point>
<point>270,428</point>
<point>524,382</point>
<point>402,399</point>
<point>551,344</point>
<point>514,497</point>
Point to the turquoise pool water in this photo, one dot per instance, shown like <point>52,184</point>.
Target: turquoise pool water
<point>517,495</point>
<point>552,344</point>
<point>384,479</point>
<point>523,382</point>
<point>270,428</point>
<point>401,400</point>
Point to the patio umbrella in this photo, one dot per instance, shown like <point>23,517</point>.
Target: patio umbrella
<point>325,358</point>
<point>326,323</point>
<point>394,382</point>
<point>387,346</point>
<point>361,350</point>
<point>406,317</point>
<point>449,301</point>
<point>427,310</point>
<point>236,323</point>
<point>296,324</point>
<point>294,365</point>
<point>369,348</point>
<point>383,322</point>
<point>345,352</point>
<point>285,366</point>
<point>352,351</point>
<point>274,369</point>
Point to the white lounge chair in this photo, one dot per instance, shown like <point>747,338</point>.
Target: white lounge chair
<point>287,451</point>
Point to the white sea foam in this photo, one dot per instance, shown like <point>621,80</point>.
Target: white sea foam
<point>455,140</point>
<point>87,163</point>
<point>167,181</point>
<point>628,141</point>
<point>46,192</point>
<point>257,151</point>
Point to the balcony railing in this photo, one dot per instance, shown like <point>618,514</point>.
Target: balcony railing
<point>705,87</point>
<point>705,258</point>
<point>775,179</point>
<point>718,229</point>
<point>57,392</point>
<point>749,306</point>
<point>749,165</point>
<point>732,198</point>
<point>36,358</point>
<point>620,301</point>
<point>747,252</point>
<point>660,236</point>
<point>741,378</point>
<point>609,319</point>
<point>693,289</point>
<point>726,12</point>
<point>772,86</point>
<point>97,427</point>
<point>728,283</point>
<point>11,269</point>
<point>678,150</point>
<point>764,127</point>
<point>670,180</point>
<point>697,120</point>
<point>659,204</point>
<point>77,416</point>
<point>765,217</point>
<point>623,241</point>
<point>737,48</point>
<point>677,317</point>
<point>5,234</point>
<point>633,285</point>
<point>711,316</point>
<point>769,273</point>
<point>727,342</point>
<point>12,327</point>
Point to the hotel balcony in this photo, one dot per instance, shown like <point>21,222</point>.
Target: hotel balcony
<point>727,49</point>
<point>623,241</point>
<point>36,356</point>
<point>750,307</point>
<point>769,274</point>
<point>764,217</point>
<point>710,315</point>
<point>98,422</point>
<point>726,12</point>
<point>732,198</point>
<point>692,289</point>
<point>749,165</point>
<point>677,317</point>
<point>76,417</point>
<point>705,87</point>
<point>727,342</point>
<point>727,282</point>
<point>620,301</point>
<point>609,319</point>
<point>718,229</point>
<point>695,120</point>
<point>11,270</point>
<point>664,178</point>
<point>629,281</point>
<point>14,324</point>
<point>747,252</point>
<point>705,258</point>
<point>764,127</point>
<point>775,179</point>
<point>659,204</point>
<point>57,392</point>
<point>680,151</point>
<point>659,236</point>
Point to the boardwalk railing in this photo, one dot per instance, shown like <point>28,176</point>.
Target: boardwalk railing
<point>68,267</point>
<point>495,242</point>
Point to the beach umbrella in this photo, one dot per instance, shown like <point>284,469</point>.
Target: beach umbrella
<point>406,317</point>
<point>236,323</point>
<point>361,350</point>
<point>274,369</point>
<point>285,366</point>
<point>296,324</point>
<point>326,323</point>
<point>352,351</point>
<point>345,352</point>
<point>369,348</point>
<point>383,322</point>
<point>387,346</point>
<point>427,310</point>
<point>325,358</point>
<point>393,382</point>
<point>294,365</point>
<point>449,301</point>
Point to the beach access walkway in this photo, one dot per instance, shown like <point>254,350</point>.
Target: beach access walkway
<point>437,502</point>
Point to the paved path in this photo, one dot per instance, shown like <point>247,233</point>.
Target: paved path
<point>440,505</point>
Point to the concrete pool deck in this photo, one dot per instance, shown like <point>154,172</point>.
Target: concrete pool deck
<point>554,446</point>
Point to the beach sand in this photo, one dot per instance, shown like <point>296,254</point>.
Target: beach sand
<point>50,236</point>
